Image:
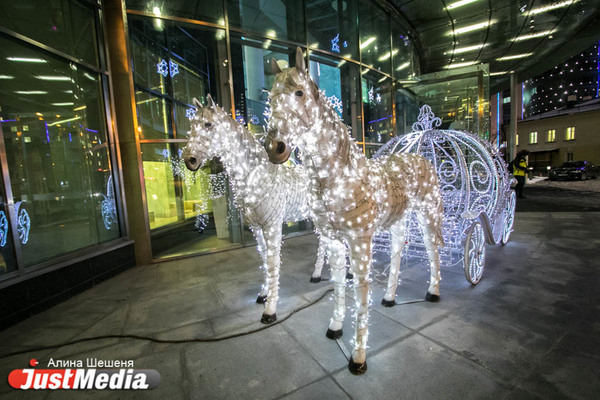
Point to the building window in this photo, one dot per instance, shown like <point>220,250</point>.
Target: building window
<point>569,156</point>
<point>56,139</point>
<point>551,135</point>
<point>532,137</point>
<point>517,140</point>
<point>570,133</point>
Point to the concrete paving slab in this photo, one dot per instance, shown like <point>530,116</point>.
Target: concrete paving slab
<point>316,390</point>
<point>262,366</point>
<point>417,368</point>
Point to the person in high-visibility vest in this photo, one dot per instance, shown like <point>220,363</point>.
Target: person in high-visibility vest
<point>519,166</point>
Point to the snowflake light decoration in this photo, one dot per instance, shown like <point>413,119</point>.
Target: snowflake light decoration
<point>174,68</point>
<point>162,68</point>
<point>378,98</point>
<point>335,103</point>
<point>190,112</point>
<point>335,43</point>
<point>371,94</point>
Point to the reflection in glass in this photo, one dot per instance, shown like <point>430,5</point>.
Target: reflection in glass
<point>54,131</point>
<point>341,83</point>
<point>68,26</point>
<point>377,107</point>
<point>332,26</point>
<point>276,19</point>
<point>205,10</point>
<point>374,36</point>
<point>188,212</point>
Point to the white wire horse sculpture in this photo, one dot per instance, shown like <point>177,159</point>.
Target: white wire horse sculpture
<point>268,194</point>
<point>353,197</point>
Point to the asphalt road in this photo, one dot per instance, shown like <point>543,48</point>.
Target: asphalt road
<point>546,196</point>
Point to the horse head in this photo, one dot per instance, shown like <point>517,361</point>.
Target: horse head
<point>204,139</point>
<point>293,104</point>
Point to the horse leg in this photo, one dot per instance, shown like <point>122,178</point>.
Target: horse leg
<point>398,242</point>
<point>316,275</point>
<point>337,260</point>
<point>262,250</point>
<point>273,244</point>
<point>427,220</point>
<point>360,263</point>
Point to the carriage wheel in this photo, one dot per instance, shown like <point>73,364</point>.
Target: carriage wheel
<point>509,217</point>
<point>474,256</point>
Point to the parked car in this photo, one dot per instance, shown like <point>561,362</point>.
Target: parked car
<point>581,170</point>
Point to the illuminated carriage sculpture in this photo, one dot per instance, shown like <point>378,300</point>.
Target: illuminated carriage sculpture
<point>479,204</point>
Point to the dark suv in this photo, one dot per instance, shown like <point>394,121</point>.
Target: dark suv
<point>574,170</point>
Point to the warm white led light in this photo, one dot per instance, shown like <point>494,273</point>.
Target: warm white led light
<point>388,55</point>
<point>459,65</point>
<point>63,121</point>
<point>470,28</point>
<point>6,77</point>
<point>551,7</point>
<point>53,78</point>
<point>459,50</point>
<point>514,57</point>
<point>460,3</point>
<point>403,66</point>
<point>533,35</point>
<point>367,42</point>
<point>63,104</point>
<point>30,92</point>
<point>26,59</point>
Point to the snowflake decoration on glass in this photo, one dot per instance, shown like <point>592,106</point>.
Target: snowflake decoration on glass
<point>427,120</point>
<point>190,112</point>
<point>378,97</point>
<point>345,43</point>
<point>371,95</point>
<point>174,68</point>
<point>335,43</point>
<point>166,153</point>
<point>335,103</point>
<point>255,120</point>
<point>165,68</point>
<point>240,119</point>
<point>162,68</point>
<point>3,228</point>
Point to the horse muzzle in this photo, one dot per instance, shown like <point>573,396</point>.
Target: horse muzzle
<point>277,150</point>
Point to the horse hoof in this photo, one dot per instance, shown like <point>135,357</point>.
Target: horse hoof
<point>349,276</point>
<point>267,319</point>
<point>333,335</point>
<point>388,303</point>
<point>357,369</point>
<point>434,298</point>
<point>315,279</point>
<point>261,299</point>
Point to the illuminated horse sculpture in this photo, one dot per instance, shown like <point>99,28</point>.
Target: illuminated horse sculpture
<point>353,197</point>
<point>268,194</point>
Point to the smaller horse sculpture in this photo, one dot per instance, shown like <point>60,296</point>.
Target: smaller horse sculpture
<point>268,194</point>
<point>353,197</point>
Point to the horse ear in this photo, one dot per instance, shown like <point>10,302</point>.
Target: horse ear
<point>211,102</point>
<point>300,64</point>
<point>197,103</point>
<point>275,67</point>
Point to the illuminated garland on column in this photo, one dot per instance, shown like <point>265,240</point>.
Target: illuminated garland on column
<point>353,197</point>
<point>269,195</point>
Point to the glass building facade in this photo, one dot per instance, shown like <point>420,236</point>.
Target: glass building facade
<point>69,187</point>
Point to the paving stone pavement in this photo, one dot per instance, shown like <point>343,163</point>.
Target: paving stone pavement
<point>529,330</point>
